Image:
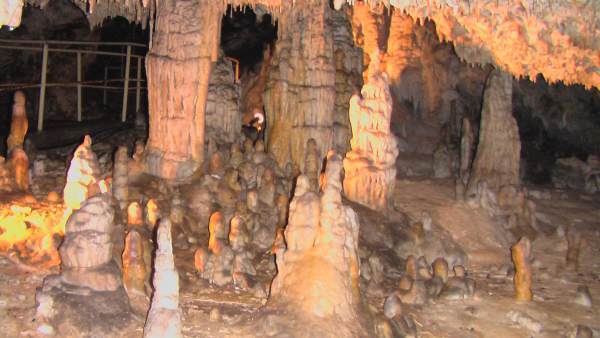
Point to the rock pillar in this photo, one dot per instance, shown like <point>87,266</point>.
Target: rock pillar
<point>184,46</point>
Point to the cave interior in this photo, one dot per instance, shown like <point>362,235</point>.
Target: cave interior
<point>308,168</point>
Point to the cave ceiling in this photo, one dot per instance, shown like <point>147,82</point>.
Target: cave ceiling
<point>555,38</point>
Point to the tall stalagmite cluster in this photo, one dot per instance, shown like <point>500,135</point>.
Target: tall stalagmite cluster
<point>164,317</point>
<point>318,272</point>
<point>370,167</point>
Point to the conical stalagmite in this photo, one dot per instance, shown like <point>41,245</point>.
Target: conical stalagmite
<point>121,177</point>
<point>19,124</point>
<point>521,255</point>
<point>164,317</point>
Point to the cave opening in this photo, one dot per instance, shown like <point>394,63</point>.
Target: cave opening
<point>248,38</point>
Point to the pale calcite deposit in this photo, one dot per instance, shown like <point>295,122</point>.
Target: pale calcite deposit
<point>370,167</point>
<point>164,317</point>
<point>83,175</point>
<point>318,272</point>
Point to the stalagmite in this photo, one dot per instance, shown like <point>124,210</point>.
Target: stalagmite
<point>18,124</point>
<point>318,272</point>
<point>88,276</point>
<point>152,214</point>
<point>20,168</point>
<point>300,95</point>
<point>5,176</point>
<point>121,177</point>
<point>135,215</point>
<point>164,317</point>
<point>134,267</point>
<point>499,149</point>
<point>371,164</point>
<point>521,254</point>
<point>466,150</point>
<point>178,80</point>
<point>83,175</point>
<point>312,164</point>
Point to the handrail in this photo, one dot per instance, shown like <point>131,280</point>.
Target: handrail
<point>83,43</point>
<point>80,84</point>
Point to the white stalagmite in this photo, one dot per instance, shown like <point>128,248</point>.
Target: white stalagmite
<point>164,317</point>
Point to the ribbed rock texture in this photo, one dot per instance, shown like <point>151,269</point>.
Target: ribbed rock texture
<point>300,95</point>
<point>184,46</point>
<point>370,167</point>
<point>87,297</point>
<point>348,78</point>
<point>164,317</point>
<point>318,273</point>
<point>499,149</point>
<point>83,175</point>
<point>223,118</point>
<point>120,177</point>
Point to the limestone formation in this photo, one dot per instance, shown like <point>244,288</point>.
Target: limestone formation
<point>20,167</point>
<point>135,216</point>
<point>318,275</point>
<point>120,177</point>
<point>135,273</point>
<point>348,78</point>
<point>521,255</point>
<point>574,241</point>
<point>242,262</point>
<point>5,176</point>
<point>499,149</point>
<point>178,80</point>
<point>83,175</point>
<point>19,123</point>
<point>312,164</point>
<point>466,150</point>
<point>152,214</point>
<point>217,230</point>
<point>89,276</point>
<point>299,97</point>
<point>164,317</point>
<point>135,165</point>
<point>223,117</point>
<point>370,167</point>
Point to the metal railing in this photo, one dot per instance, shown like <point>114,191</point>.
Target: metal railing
<point>47,46</point>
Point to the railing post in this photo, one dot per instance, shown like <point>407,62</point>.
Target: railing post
<point>40,125</point>
<point>126,84</point>
<point>79,79</point>
<point>105,83</point>
<point>138,88</point>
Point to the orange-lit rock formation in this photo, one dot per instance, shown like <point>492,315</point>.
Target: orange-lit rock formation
<point>370,167</point>
<point>318,272</point>
<point>18,124</point>
<point>83,175</point>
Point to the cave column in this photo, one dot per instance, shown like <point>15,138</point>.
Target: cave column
<point>184,46</point>
<point>300,95</point>
<point>499,150</point>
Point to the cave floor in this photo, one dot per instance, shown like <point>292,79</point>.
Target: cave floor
<point>210,311</point>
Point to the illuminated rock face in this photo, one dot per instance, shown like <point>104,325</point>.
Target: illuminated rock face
<point>164,318</point>
<point>370,170</point>
<point>318,272</point>
<point>83,175</point>
<point>18,124</point>
<point>10,13</point>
